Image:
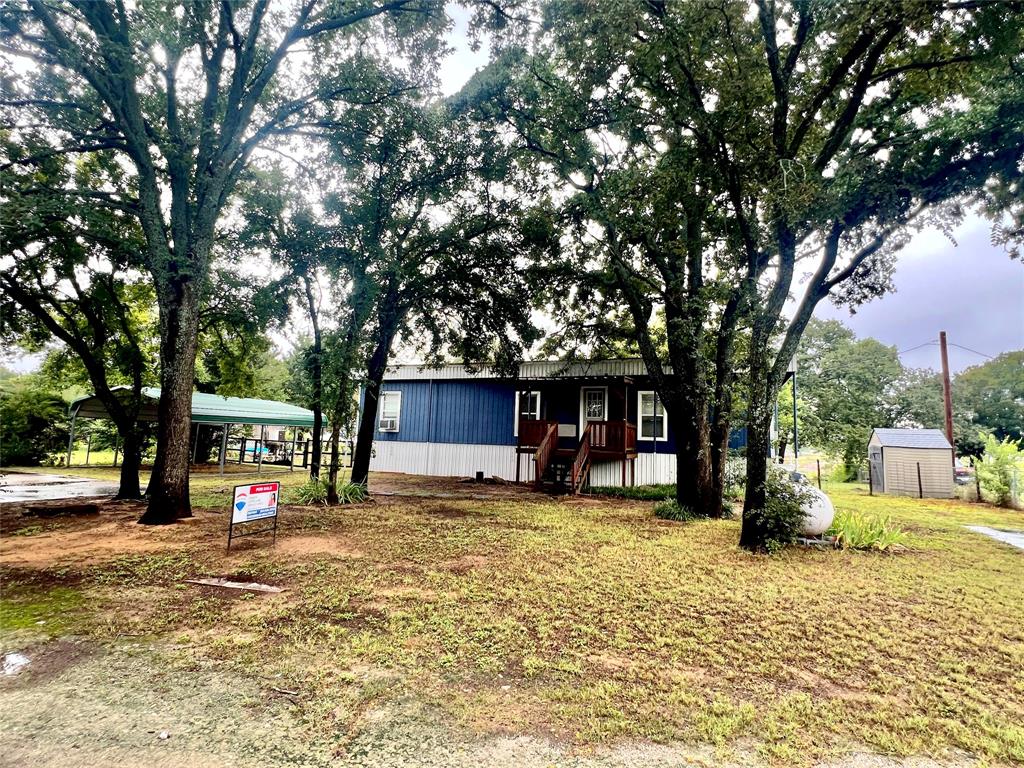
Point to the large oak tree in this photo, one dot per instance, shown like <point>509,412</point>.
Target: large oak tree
<point>184,96</point>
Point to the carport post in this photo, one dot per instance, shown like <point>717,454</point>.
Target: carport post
<point>263,437</point>
<point>195,443</point>
<point>117,445</point>
<point>291,456</point>
<point>71,437</point>
<point>223,446</point>
<point>88,448</point>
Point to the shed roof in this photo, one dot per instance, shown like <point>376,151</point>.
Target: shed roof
<point>206,409</point>
<point>913,438</point>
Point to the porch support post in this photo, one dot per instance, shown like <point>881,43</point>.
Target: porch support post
<point>291,456</point>
<point>226,428</point>
<point>71,436</point>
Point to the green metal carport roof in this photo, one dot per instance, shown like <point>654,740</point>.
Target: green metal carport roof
<point>206,409</point>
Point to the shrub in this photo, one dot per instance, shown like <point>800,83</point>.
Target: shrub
<point>854,530</point>
<point>352,493</point>
<point>996,469</point>
<point>782,518</point>
<point>312,492</point>
<point>673,510</point>
<point>33,422</point>
<point>637,492</point>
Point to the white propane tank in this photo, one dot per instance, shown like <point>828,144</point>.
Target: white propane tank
<point>819,512</point>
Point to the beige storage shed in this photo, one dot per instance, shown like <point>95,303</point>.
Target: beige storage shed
<point>911,462</point>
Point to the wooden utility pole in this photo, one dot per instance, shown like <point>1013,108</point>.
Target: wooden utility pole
<point>947,393</point>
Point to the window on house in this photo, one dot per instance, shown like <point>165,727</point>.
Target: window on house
<point>527,408</point>
<point>653,419</point>
<point>389,412</point>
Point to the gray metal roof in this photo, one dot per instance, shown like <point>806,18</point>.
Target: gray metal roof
<point>536,369</point>
<point>913,438</point>
<point>206,409</point>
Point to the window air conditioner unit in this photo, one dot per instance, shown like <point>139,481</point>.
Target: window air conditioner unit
<point>388,425</point>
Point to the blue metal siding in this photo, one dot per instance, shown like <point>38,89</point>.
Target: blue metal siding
<point>475,412</point>
<point>482,412</point>
<point>412,419</point>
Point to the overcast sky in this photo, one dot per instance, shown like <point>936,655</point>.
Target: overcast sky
<point>972,290</point>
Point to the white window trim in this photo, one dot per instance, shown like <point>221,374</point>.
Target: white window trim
<point>640,416</point>
<point>515,416</point>
<point>583,407</point>
<point>380,410</point>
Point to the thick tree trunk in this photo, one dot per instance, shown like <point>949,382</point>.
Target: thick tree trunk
<point>371,397</point>
<point>693,455</point>
<point>317,375</point>
<point>332,475</point>
<point>759,420</point>
<point>719,457</point>
<point>131,459</point>
<point>168,486</point>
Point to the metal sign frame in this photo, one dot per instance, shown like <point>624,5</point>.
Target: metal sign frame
<point>231,516</point>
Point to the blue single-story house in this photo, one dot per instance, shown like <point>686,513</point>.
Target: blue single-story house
<point>568,423</point>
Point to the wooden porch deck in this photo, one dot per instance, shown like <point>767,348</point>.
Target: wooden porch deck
<point>600,441</point>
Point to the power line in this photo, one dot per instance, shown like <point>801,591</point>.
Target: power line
<point>968,349</point>
<point>917,347</point>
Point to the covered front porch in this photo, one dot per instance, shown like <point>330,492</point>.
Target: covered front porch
<point>565,426</point>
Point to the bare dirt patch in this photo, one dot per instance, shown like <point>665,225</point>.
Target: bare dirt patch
<point>445,511</point>
<point>317,545</point>
<point>465,563</point>
<point>99,541</point>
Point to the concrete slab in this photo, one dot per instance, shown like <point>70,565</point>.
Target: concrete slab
<point>1013,538</point>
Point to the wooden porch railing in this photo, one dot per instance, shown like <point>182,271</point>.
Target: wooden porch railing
<point>581,461</point>
<point>612,436</point>
<point>544,450</point>
<point>533,431</point>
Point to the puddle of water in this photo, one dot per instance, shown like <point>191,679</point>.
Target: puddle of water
<point>14,662</point>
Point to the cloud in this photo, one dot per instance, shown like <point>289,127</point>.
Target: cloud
<point>971,290</point>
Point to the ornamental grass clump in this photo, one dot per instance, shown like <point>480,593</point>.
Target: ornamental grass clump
<point>352,493</point>
<point>854,530</point>
<point>673,510</point>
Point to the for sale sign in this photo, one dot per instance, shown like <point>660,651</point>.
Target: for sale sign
<point>256,501</point>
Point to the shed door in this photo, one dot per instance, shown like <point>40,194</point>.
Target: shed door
<point>875,467</point>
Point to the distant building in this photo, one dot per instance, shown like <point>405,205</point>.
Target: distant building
<point>911,462</point>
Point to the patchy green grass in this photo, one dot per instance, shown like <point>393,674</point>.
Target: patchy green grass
<point>592,620</point>
<point>44,611</point>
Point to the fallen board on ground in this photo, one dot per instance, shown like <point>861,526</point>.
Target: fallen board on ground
<point>252,586</point>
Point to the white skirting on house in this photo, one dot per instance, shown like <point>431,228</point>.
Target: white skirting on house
<point>465,460</point>
<point>651,469</point>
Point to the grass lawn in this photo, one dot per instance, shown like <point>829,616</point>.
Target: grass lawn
<point>583,621</point>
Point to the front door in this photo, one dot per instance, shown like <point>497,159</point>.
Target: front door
<point>593,405</point>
